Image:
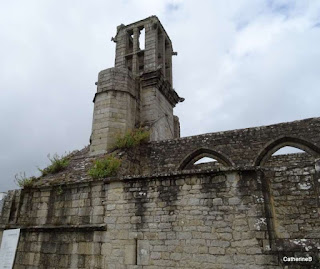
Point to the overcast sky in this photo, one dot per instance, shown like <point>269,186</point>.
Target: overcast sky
<point>240,64</point>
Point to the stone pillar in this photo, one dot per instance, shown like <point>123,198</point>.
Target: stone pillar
<point>151,46</point>
<point>176,126</point>
<point>169,64</point>
<point>121,46</point>
<point>135,59</point>
<point>162,51</point>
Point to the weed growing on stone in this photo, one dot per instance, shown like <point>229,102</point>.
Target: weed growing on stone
<point>59,190</point>
<point>58,163</point>
<point>105,167</point>
<point>23,181</point>
<point>132,138</point>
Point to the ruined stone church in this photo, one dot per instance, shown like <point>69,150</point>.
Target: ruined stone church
<point>247,209</point>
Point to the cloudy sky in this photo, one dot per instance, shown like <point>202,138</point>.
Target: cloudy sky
<point>240,64</point>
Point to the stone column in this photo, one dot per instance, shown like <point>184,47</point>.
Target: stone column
<point>151,46</point>
<point>162,51</point>
<point>169,64</point>
<point>135,59</point>
<point>121,47</point>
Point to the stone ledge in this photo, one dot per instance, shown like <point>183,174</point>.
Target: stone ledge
<point>63,228</point>
<point>185,172</point>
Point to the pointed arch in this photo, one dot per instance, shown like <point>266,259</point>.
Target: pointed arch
<point>284,141</point>
<point>204,152</point>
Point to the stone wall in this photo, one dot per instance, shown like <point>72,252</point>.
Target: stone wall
<point>59,249</point>
<point>203,219</point>
<point>162,211</point>
<point>295,203</point>
<point>157,113</point>
<point>61,226</point>
<point>241,147</point>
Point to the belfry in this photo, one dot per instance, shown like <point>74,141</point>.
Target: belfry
<point>138,91</point>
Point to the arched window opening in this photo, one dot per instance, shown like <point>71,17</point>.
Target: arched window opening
<point>288,156</point>
<point>205,159</point>
<point>288,150</point>
<point>206,162</point>
<point>285,144</point>
<point>290,161</point>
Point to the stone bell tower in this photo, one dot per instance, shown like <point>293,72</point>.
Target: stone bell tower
<point>138,90</point>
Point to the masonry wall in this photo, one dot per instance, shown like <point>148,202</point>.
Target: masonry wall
<point>298,200</point>
<point>157,113</point>
<point>115,108</point>
<point>247,212</point>
<point>195,221</point>
<point>61,226</point>
<point>187,220</point>
<point>58,249</point>
<point>243,147</point>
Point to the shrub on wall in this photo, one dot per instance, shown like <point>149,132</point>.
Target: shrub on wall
<point>24,182</point>
<point>132,138</point>
<point>58,163</point>
<point>105,167</point>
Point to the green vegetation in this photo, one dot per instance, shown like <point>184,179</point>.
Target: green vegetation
<point>24,182</point>
<point>59,190</point>
<point>105,167</point>
<point>58,163</point>
<point>132,138</point>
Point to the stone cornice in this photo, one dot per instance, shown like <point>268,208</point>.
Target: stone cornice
<point>55,228</point>
<point>155,78</point>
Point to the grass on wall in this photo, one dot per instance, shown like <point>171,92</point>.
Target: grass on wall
<point>103,168</point>
<point>132,138</point>
<point>23,181</point>
<point>58,163</point>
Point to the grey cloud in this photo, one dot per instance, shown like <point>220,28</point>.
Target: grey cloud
<point>52,51</point>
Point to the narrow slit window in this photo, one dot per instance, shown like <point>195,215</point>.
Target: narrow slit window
<point>142,39</point>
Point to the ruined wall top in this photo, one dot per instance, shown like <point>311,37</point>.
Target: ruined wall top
<point>237,150</point>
